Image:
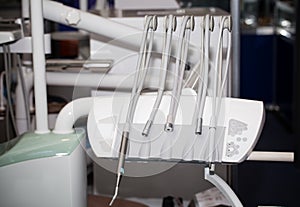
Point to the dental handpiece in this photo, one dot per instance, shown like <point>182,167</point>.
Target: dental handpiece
<point>121,163</point>
<point>143,63</point>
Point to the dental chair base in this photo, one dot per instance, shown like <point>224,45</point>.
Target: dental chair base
<point>44,170</point>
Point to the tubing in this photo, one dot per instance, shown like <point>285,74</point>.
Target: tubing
<point>222,86</point>
<point>202,87</point>
<point>216,81</point>
<point>145,65</point>
<point>170,24</point>
<point>184,53</point>
<point>142,67</point>
<point>179,69</point>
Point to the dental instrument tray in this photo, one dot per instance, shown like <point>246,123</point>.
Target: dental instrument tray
<point>238,128</point>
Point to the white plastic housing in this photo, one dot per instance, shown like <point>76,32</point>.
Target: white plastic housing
<point>238,129</point>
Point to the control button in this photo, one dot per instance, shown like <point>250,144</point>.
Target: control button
<point>231,149</point>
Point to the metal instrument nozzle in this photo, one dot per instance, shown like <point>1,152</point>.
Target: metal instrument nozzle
<point>168,127</point>
<point>147,128</point>
<point>198,129</point>
<point>119,176</point>
<point>120,169</point>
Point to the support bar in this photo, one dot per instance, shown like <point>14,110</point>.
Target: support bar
<point>39,66</point>
<point>271,156</point>
<point>235,13</point>
<point>102,81</point>
<point>60,13</point>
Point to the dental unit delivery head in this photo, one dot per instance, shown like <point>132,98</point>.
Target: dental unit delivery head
<point>176,123</point>
<point>206,117</point>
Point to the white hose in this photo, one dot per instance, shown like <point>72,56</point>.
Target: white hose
<point>202,83</point>
<point>142,66</point>
<point>216,92</point>
<point>183,43</point>
<point>170,24</point>
<point>145,66</point>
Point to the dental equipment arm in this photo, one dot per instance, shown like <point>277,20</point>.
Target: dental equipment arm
<point>170,27</point>
<point>142,66</point>
<point>57,12</point>
<point>187,26</point>
<point>60,13</point>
